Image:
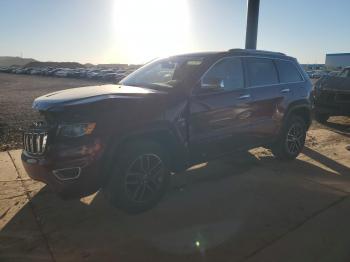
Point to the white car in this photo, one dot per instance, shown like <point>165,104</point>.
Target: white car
<point>61,73</point>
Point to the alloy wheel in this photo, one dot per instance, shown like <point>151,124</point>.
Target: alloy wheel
<point>295,138</point>
<point>144,177</point>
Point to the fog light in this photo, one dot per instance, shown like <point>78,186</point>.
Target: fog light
<point>67,173</point>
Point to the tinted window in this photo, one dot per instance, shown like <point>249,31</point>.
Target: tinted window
<point>261,71</point>
<point>288,72</point>
<point>227,74</point>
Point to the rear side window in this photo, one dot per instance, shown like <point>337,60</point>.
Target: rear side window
<point>261,71</point>
<point>288,72</point>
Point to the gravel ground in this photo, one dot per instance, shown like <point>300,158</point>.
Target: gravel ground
<point>17,93</point>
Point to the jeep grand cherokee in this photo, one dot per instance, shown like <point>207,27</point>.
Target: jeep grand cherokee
<point>126,139</point>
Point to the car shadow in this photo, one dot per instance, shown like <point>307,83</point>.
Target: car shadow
<point>210,213</point>
<point>340,125</point>
<point>330,163</point>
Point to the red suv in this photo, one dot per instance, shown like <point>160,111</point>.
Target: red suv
<point>127,139</point>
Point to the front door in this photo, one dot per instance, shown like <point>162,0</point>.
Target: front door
<point>220,110</point>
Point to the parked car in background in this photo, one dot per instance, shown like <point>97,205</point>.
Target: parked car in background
<point>166,116</point>
<point>334,73</point>
<point>331,96</point>
<point>112,75</point>
<point>107,71</point>
<point>120,76</point>
<point>93,74</point>
<point>319,73</point>
<point>35,71</point>
<point>310,73</point>
<point>61,73</point>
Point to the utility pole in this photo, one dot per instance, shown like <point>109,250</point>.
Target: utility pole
<point>252,24</point>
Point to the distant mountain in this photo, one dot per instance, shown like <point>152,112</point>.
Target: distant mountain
<point>12,60</point>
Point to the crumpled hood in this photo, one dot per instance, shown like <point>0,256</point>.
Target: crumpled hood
<point>90,94</point>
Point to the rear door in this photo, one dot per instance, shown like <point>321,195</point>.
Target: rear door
<point>219,110</point>
<point>263,85</point>
<point>292,83</point>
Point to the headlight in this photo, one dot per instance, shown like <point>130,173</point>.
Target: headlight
<point>76,130</point>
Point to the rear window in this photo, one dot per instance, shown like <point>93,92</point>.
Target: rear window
<point>288,72</point>
<point>261,71</point>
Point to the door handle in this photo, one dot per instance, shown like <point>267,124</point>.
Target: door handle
<point>244,97</point>
<point>286,90</point>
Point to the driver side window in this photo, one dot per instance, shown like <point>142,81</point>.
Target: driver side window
<point>226,75</point>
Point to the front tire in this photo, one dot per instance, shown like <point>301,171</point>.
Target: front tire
<point>292,139</point>
<point>139,179</point>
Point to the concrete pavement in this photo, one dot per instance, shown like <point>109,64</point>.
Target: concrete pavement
<point>246,207</point>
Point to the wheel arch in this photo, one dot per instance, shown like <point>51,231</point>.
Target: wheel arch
<point>301,108</point>
<point>173,144</point>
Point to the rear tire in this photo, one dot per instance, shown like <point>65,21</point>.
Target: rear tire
<point>139,179</point>
<point>321,118</point>
<point>292,139</point>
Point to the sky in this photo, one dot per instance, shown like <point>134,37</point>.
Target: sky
<point>136,31</point>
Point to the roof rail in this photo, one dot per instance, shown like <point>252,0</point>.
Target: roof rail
<point>255,51</point>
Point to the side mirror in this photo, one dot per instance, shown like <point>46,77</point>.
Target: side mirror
<point>212,83</point>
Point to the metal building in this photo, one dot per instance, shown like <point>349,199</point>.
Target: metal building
<point>338,60</point>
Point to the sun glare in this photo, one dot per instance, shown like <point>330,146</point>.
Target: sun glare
<point>146,29</point>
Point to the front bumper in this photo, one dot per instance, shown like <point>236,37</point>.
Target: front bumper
<point>79,172</point>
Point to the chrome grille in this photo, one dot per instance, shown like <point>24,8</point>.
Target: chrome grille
<point>35,142</point>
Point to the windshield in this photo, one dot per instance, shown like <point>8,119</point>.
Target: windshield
<point>165,73</point>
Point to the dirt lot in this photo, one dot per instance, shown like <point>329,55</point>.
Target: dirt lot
<point>245,207</point>
<point>17,93</point>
